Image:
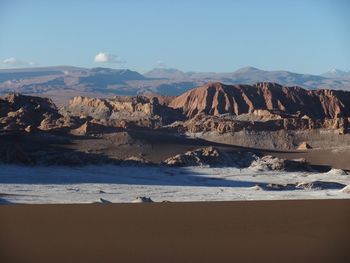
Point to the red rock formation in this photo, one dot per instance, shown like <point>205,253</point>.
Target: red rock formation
<point>19,111</point>
<point>217,98</point>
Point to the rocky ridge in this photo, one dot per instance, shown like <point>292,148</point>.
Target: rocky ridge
<point>262,107</point>
<point>120,110</point>
<point>240,110</point>
<point>216,99</point>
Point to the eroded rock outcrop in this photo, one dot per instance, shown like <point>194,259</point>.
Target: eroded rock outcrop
<point>211,156</point>
<point>319,185</point>
<point>19,112</point>
<point>230,123</point>
<point>269,162</point>
<point>217,98</point>
<point>92,128</point>
<point>304,146</point>
<point>203,156</point>
<point>138,110</point>
<point>28,113</point>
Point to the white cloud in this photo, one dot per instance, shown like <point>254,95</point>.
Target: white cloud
<point>13,62</point>
<point>160,64</point>
<point>104,57</point>
<point>10,61</point>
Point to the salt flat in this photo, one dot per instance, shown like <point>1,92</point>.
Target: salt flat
<point>87,184</point>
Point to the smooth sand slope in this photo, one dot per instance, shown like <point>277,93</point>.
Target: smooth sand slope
<point>262,231</point>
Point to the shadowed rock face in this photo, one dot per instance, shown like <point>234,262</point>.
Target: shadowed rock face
<point>18,112</point>
<point>13,102</point>
<point>216,98</point>
<point>213,107</point>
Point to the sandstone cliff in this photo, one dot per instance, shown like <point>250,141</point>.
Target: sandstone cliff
<point>216,99</point>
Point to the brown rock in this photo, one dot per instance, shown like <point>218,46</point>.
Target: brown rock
<point>268,162</point>
<point>20,111</point>
<point>202,156</point>
<point>89,128</point>
<point>139,110</point>
<point>30,128</point>
<point>217,98</point>
<point>304,146</point>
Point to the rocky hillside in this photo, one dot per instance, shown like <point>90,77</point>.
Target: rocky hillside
<point>122,108</point>
<point>214,107</point>
<point>18,112</point>
<point>216,98</point>
<point>83,115</point>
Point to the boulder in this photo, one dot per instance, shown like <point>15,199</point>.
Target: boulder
<point>104,201</point>
<point>30,128</point>
<point>142,199</point>
<point>334,171</point>
<point>304,146</point>
<point>319,185</point>
<point>346,189</point>
<point>200,157</point>
<point>268,162</point>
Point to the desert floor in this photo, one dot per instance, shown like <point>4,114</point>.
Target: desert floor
<point>253,231</point>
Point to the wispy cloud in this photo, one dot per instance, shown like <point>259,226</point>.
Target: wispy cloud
<point>161,64</point>
<point>103,57</point>
<point>14,62</point>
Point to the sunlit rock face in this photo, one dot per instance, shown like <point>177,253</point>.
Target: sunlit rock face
<point>264,99</point>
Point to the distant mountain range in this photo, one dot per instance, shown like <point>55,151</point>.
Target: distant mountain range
<point>337,73</point>
<point>65,81</point>
<point>334,79</point>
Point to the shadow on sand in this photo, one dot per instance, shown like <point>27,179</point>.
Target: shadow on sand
<point>68,165</point>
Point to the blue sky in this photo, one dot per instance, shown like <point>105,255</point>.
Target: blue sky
<point>302,36</point>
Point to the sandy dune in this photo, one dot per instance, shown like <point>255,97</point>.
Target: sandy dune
<point>263,231</point>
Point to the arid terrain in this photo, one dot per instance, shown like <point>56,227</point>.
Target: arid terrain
<point>264,136</point>
<point>174,131</point>
<point>254,231</point>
